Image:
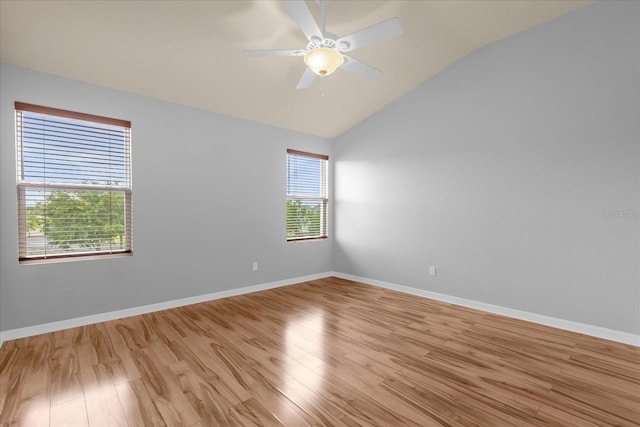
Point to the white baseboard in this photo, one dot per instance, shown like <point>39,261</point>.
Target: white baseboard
<point>582,328</point>
<point>28,331</point>
<point>596,331</point>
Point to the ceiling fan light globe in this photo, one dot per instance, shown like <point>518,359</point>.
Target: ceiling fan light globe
<point>323,60</point>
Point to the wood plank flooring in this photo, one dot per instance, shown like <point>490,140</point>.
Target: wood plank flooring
<point>324,353</point>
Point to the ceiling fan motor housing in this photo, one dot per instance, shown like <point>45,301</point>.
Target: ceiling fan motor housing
<point>329,41</point>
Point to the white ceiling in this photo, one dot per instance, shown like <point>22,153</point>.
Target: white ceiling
<point>190,52</point>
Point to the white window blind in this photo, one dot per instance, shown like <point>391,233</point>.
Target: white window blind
<point>74,183</point>
<point>307,195</point>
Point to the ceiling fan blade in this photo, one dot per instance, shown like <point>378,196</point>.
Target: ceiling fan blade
<point>302,15</point>
<point>360,69</point>
<point>307,79</point>
<point>370,35</point>
<point>288,52</point>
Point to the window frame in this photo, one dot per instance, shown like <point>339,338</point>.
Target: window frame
<point>323,198</point>
<point>23,185</point>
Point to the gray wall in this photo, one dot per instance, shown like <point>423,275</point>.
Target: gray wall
<point>208,200</point>
<point>515,172</point>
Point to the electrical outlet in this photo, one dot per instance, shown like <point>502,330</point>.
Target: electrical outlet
<point>255,265</point>
<point>432,270</point>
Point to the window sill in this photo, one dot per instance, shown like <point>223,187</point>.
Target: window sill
<point>69,258</point>
<point>307,239</point>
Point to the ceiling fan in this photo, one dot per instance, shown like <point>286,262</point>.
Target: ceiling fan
<point>325,51</point>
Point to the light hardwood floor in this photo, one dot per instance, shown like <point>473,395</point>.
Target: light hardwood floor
<point>329,352</point>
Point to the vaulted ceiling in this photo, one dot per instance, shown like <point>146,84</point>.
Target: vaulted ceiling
<point>190,52</point>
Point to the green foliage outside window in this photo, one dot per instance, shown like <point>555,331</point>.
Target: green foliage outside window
<point>79,219</point>
<point>303,220</point>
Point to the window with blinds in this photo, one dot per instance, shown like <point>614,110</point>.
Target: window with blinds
<point>307,195</point>
<point>74,184</point>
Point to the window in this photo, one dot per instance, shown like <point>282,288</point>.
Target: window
<point>74,184</point>
<point>307,199</point>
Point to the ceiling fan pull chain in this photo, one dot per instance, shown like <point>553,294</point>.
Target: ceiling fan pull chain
<point>322,86</point>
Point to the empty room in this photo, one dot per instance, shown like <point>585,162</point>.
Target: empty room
<point>320,213</point>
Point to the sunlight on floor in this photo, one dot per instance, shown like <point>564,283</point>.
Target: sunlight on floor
<point>36,413</point>
<point>70,407</point>
<point>304,347</point>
